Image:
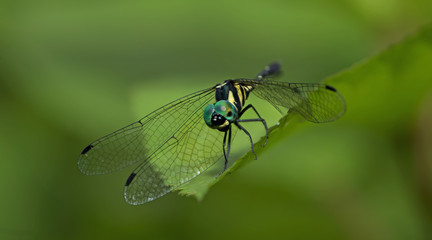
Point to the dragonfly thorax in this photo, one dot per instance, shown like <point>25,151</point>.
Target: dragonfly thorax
<point>220,115</point>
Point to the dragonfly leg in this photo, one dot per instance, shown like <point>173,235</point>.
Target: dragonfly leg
<point>223,146</point>
<point>229,147</point>
<point>250,137</point>
<point>227,152</point>
<point>259,119</point>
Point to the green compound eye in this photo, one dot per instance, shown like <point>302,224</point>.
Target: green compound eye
<point>226,109</point>
<point>215,115</point>
<point>208,113</point>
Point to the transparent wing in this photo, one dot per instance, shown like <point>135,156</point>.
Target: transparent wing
<point>190,151</point>
<point>316,102</point>
<point>140,140</point>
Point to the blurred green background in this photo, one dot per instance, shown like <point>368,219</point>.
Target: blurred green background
<point>71,72</point>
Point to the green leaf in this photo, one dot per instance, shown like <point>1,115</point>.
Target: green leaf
<point>382,94</point>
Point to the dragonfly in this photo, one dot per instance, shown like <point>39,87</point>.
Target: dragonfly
<point>182,139</point>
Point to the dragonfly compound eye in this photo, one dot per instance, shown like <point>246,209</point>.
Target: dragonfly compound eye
<point>208,115</point>
<point>220,115</point>
<point>226,109</point>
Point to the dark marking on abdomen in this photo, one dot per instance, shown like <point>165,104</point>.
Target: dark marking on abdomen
<point>243,91</point>
<point>272,69</point>
<point>331,88</point>
<point>86,149</point>
<point>130,178</point>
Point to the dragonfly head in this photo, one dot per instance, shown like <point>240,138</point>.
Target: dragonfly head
<point>220,115</point>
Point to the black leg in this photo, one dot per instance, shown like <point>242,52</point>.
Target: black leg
<point>259,119</point>
<point>223,146</point>
<point>226,153</point>
<point>228,147</point>
<point>250,137</point>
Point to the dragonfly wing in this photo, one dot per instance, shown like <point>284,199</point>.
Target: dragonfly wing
<point>190,151</point>
<point>140,140</point>
<point>316,102</point>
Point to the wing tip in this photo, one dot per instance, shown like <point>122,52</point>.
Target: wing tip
<point>86,149</point>
<point>328,87</point>
<point>130,179</point>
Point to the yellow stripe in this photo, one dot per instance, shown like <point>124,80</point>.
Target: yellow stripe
<point>231,97</point>
<point>240,94</point>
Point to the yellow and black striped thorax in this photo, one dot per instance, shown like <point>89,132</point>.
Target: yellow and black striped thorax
<point>233,92</point>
